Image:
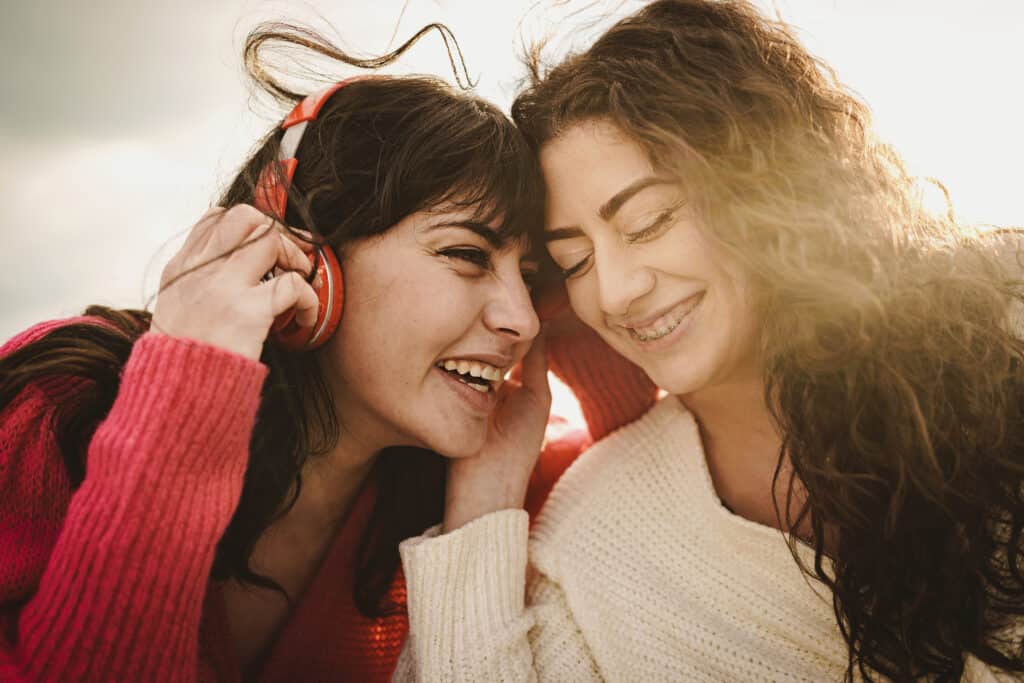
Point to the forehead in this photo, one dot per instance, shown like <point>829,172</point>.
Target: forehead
<point>472,220</point>
<point>590,162</point>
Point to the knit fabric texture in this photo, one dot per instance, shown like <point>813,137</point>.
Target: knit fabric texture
<point>636,572</point>
<point>110,581</point>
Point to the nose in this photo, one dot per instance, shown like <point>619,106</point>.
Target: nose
<point>621,279</point>
<point>510,312</point>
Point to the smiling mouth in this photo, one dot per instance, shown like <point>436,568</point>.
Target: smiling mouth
<point>483,377</point>
<point>667,323</point>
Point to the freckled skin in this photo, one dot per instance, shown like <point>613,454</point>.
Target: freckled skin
<point>408,307</point>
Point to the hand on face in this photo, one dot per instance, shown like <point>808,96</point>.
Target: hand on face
<point>611,389</point>
<point>211,290</point>
<point>496,478</point>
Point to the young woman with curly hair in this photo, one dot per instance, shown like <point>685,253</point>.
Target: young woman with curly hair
<point>833,487</point>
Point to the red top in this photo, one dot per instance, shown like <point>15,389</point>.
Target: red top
<point>110,581</point>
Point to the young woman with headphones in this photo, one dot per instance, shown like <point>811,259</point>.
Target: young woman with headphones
<point>217,491</point>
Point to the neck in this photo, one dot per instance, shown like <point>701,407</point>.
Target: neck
<point>735,422</point>
<point>331,481</point>
<point>330,484</point>
<point>293,548</point>
<point>741,445</point>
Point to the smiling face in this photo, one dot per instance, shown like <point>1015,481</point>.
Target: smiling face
<point>639,269</point>
<point>432,292</point>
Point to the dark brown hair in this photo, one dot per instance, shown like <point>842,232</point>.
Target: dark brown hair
<point>381,149</point>
<point>890,362</point>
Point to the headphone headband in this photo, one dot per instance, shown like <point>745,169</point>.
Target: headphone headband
<point>271,197</point>
<point>271,194</point>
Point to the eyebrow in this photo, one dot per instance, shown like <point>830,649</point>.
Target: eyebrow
<point>481,229</point>
<point>561,234</point>
<point>612,206</point>
<point>609,208</point>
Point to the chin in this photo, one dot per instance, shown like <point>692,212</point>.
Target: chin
<point>678,381</point>
<point>455,445</point>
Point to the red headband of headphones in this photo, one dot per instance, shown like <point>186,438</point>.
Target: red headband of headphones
<point>271,197</point>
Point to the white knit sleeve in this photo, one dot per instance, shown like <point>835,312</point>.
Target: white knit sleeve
<point>468,618</point>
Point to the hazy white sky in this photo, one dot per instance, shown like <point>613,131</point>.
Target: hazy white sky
<point>119,121</point>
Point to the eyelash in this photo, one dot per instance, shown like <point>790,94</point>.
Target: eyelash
<point>478,257</point>
<point>481,259</point>
<point>649,232</point>
<point>572,270</point>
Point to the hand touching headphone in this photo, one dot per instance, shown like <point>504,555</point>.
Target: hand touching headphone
<point>272,198</point>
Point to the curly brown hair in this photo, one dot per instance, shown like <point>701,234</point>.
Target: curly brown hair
<point>891,363</point>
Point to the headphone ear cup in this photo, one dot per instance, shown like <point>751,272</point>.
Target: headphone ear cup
<point>329,285</point>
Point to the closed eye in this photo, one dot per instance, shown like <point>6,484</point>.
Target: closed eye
<point>652,230</point>
<point>477,257</point>
<point>579,267</point>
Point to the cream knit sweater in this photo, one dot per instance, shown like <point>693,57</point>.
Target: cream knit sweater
<point>637,573</point>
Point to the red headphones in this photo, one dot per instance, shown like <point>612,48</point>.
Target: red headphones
<point>271,197</point>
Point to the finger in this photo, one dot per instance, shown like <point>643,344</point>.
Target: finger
<point>189,257</point>
<point>239,224</point>
<point>293,257</point>
<point>199,232</point>
<point>516,373</point>
<point>290,292</point>
<point>290,255</point>
<point>534,374</point>
<point>303,240</point>
<point>265,253</point>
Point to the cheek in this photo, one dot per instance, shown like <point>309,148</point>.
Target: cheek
<point>374,326</point>
<point>402,326</point>
<point>585,302</point>
<point>367,350</point>
<point>734,322</point>
<point>745,323</point>
<point>583,297</point>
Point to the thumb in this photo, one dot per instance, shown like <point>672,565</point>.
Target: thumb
<point>534,369</point>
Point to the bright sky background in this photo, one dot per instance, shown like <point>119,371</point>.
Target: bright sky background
<point>121,120</point>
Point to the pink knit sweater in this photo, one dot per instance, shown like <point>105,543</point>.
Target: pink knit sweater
<point>111,581</point>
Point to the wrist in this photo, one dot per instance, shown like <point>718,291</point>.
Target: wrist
<point>461,510</point>
<point>238,342</point>
<point>460,518</point>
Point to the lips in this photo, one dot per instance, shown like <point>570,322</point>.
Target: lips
<point>477,374</point>
<point>478,400</point>
<point>663,323</point>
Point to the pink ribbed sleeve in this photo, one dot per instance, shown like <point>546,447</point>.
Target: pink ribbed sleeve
<point>121,594</point>
<point>611,390</point>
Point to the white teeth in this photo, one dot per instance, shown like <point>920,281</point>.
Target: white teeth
<point>482,388</point>
<point>658,333</point>
<point>474,369</point>
<point>665,328</point>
